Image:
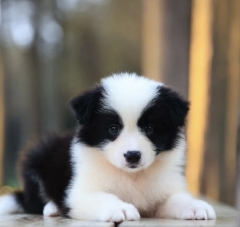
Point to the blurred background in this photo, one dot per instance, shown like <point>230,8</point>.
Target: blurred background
<point>53,49</point>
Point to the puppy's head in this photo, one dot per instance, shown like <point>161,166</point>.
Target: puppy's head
<point>130,119</point>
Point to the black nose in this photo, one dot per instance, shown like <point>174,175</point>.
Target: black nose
<point>132,156</point>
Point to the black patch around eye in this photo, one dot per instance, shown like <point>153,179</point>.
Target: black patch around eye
<point>166,113</point>
<point>162,136</point>
<point>96,132</point>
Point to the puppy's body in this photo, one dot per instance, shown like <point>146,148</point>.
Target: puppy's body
<point>125,160</point>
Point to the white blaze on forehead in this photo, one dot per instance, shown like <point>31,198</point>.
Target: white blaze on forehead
<point>129,94</point>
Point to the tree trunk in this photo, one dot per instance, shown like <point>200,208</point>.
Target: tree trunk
<point>1,122</point>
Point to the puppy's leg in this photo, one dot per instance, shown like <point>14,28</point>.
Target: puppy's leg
<point>51,210</point>
<point>184,206</point>
<point>102,207</point>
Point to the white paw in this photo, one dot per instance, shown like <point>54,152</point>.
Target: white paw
<point>119,213</point>
<point>197,210</point>
<point>184,206</point>
<point>51,210</point>
<point>9,205</point>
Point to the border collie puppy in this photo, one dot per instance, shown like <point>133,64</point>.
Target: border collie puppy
<point>125,160</point>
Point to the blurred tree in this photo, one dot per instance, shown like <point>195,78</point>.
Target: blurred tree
<point>152,26</point>
<point>200,71</point>
<point>1,122</point>
<point>175,38</point>
<point>219,170</point>
<point>165,42</point>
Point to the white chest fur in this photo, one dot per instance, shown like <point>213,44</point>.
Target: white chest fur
<point>144,189</point>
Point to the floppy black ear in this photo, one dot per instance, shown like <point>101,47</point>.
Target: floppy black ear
<point>176,105</point>
<point>86,104</point>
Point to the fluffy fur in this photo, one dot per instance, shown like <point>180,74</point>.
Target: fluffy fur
<point>125,160</point>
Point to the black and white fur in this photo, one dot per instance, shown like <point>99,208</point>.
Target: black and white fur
<point>125,160</point>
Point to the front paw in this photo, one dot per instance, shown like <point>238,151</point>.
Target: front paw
<point>197,210</point>
<point>109,209</point>
<point>119,212</point>
<point>184,206</point>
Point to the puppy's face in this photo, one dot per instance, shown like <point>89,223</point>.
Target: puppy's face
<point>130,119</point>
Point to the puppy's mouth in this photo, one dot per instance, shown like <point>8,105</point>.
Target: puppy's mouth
<point>133,166</point>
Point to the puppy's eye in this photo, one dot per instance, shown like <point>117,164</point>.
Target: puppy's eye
<point>114,129</point>
<point>148,129</point>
